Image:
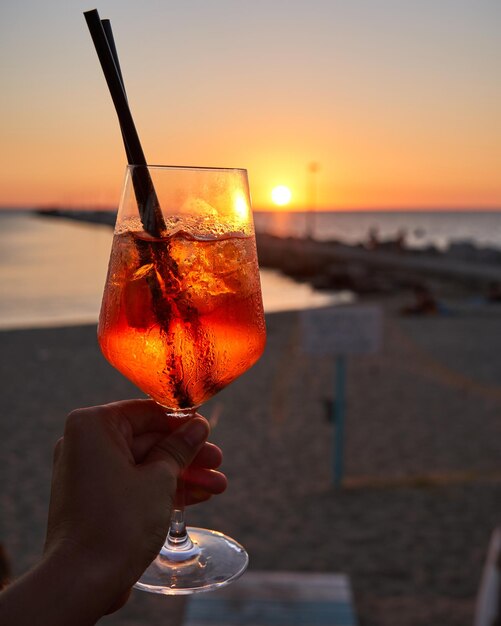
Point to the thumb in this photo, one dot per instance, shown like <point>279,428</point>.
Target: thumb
<point>180,447</point>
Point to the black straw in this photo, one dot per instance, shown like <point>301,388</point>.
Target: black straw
<point>111,42</point>
<point>113,49</point>
<point>149,208</point>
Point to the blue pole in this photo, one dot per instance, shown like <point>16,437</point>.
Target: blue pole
<point>339,407</point>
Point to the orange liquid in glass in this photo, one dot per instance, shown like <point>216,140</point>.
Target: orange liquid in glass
<point>182,317</point>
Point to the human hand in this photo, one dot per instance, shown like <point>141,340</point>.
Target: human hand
<point>114,483</point>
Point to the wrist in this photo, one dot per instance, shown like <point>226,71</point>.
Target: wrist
<point>62,589</point>
<point>82,580</point>
<point>66,587</point>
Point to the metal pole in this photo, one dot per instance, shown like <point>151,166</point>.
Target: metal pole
<point>310,218</point>
<point>339,408</point>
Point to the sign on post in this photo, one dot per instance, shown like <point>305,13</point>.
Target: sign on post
<point>341,331</point>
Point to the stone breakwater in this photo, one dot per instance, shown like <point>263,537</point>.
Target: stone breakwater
<point>383,269</point>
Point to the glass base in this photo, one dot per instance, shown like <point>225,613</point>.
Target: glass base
<point>215,561</point>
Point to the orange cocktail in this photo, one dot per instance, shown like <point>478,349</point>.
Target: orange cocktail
<point>182,317</point>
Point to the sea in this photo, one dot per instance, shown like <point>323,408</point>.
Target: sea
<point>421,229</point>
<point>53,270</point>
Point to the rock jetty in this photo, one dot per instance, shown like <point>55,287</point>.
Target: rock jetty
<point>385,269</point>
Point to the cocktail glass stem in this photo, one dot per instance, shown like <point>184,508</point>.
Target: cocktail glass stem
<point>178,535</point>
<point>178,546</point>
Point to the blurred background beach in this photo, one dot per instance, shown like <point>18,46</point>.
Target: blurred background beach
<point>421,491</point>
<point>381,120</point>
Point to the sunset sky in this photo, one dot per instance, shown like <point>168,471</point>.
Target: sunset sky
<point>397,101</point>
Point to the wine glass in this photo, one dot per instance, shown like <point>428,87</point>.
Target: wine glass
<point>182,317</point>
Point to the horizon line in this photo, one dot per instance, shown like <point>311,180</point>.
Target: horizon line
<point>380,209</point>
<point>282,209</point>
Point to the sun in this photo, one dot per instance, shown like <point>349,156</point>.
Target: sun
<point>281,195</point>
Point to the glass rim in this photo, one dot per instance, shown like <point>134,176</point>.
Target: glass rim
<point>192,168</point>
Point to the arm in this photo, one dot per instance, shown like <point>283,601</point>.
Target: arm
<point>114,482</point>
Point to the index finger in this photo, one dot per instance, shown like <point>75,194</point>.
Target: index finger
<point>142,416</point>
<point>209,456</point>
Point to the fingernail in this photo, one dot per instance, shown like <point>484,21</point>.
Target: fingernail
<point>195,432</point>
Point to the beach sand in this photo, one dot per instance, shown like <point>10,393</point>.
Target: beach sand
<point>422,488</point>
